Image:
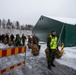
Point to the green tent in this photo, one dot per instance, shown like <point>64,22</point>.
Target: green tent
<point>66,33</point>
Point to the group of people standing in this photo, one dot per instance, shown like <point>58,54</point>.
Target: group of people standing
<point>19,39</point>
<point>33,40</point>
<point>51,44</point>
<point>13,40</point>
<point>33,43</point>
<point>3,37</point>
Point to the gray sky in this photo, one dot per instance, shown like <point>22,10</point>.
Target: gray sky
<point>29,11</point>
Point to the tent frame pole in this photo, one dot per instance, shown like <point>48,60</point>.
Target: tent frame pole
<point>60,34</point>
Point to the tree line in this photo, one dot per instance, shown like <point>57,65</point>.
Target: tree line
<point>14,25</point>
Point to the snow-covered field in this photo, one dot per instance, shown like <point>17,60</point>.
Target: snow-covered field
<point>15,31</point>
<point>68,59</point>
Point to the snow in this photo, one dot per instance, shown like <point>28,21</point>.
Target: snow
<point>68,59</point>
<point>42,51</point>
<point>2,46</point>
<point>15,31</point>
<point>64,19</point>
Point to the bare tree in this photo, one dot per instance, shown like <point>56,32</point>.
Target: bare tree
<point>8,24</point>
<point>3,23</point>
<point>17,25</point>
<point>0,22</point>
<point>28,27</point>
<point>13,27</point>
<point>22,27</point>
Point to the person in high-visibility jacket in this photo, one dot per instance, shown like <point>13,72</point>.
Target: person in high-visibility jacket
<point>52,46</point>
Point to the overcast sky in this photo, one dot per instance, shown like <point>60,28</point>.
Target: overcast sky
<point>29,11</point>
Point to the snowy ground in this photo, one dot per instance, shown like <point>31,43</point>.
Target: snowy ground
<point>68,59</point>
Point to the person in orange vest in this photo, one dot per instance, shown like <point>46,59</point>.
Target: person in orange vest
<point>52,46</point>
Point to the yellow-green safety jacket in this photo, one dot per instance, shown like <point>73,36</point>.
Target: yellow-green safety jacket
<point>53,43</point>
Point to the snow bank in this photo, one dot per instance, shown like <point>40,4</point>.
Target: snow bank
<point>69,57</point>
<point>2,46</point>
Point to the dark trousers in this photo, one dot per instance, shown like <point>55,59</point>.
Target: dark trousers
<point>51,57</point>
<point>23,42</point>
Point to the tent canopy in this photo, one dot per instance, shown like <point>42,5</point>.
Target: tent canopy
<point>46,25</point>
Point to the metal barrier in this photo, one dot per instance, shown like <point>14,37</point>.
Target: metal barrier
<point>9,52</point>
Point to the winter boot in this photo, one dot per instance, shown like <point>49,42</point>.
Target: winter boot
<point>53,65</point>
<point>49,66</point>
<point>52,62</point>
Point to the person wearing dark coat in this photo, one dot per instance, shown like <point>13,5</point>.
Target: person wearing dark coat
<point>3,37</point>
<point>48,41</point>
<point>23,39</point>
<point>0,38</point>
<point>29,39</point>
<point>18,40</point>
<point>36,40</point>
<point>12,37</point>
<point>7,37</point>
